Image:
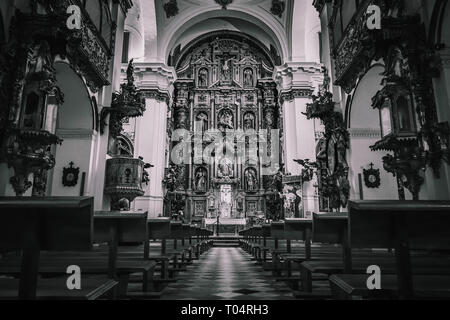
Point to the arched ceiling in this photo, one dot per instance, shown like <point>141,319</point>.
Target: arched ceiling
<point>288,35</point>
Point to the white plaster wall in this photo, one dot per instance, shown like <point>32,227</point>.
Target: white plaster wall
<point>360,158</point>
<point>76,148</point>
<point>365,131</point>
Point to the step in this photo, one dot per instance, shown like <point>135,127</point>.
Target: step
<point>226,241</point>
<point>226,245</point>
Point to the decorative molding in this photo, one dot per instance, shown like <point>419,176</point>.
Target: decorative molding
<point>359,46</point>
<point>171,8</point>
<point>123,180</point>
<point>364,133</point>
<point>27,152</point>
<point>224,3</point>
<point>289,96</point>
<point>82,134</point>
<point>158,95</point>
<point>278,7</point>
<point>408,161</point>
<point>84,48</point>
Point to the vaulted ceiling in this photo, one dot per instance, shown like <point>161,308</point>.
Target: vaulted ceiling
<point>293,31</point>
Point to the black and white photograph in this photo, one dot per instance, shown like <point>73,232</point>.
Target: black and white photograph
<point>215,158</point>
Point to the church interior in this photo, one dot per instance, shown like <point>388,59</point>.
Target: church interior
<point>224,149</point>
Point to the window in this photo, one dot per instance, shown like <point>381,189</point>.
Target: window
<point>320,47</point>
<point>126,47</point>
<point>405,116</point>
<point>385,114</point>
<point>31,115</point>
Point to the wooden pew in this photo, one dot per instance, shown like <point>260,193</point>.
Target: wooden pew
<point>127,239</point>
<point>159,230</point>
<point>328,229</point>
<point>33,225</point>
<point>127,236</point>
<point>404,226</point>
<point>296,230</point>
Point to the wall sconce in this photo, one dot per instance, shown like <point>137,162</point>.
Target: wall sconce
<point>396,111</point>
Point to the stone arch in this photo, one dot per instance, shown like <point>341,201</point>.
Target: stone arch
<point>182,22</point>
<point>365,131</point>
<point>76,123</point>
<point>439,21</point>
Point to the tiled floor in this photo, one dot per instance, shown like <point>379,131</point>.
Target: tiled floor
<point>226,273</point>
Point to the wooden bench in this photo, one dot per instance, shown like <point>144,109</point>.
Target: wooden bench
<point>127,239</point>
<point>328,254</point>
<point>33,225</point>
<point>159,232</point>
<point>404,226</point>
<point>295,230</point>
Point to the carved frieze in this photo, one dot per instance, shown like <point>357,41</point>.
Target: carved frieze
<point>295,93</point>
<point>224,3</point>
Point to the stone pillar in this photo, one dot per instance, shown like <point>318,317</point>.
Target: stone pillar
<point>156,82</point>
<point>296,84</point>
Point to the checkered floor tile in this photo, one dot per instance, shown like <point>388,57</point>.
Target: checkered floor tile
<point>226,274</point>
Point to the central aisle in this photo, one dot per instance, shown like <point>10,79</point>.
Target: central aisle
<point>226,274</point>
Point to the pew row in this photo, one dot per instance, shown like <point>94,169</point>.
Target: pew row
<point>418,233</point>
<point>35,225</point>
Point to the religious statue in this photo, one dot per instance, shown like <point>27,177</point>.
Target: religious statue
<point>181,119</point>
<point>226,120</point>
<point>225,169</point>
<point>40,59</point>
<point>249,121</point>
<point>203,78</point>
<point>248,77</point>
<point>170,179</point>
<point>341,148</point>
<point>200,180</point>
<point>226,70</point>
<point>202,122</point>
<point>288,195</point>
<point>130,72</point>
<point>251,181</point>
<point>269,119</point>
<point>397,64</point>
<point>277,181</point>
